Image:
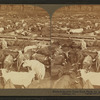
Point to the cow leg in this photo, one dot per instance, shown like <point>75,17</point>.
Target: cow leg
<point>19,67</point>
<point>10,68</point>
<point>89,68</point>
<point>97,66</point>
<point>97,69</point>
<point>28,69</point>
<point>36,77</point>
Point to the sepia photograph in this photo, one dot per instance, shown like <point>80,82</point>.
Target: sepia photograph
<point>54,52</point>
<point>75,43</point>
<point>24,47</point>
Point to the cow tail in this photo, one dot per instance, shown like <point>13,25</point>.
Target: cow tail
<point>19,66</point>
<point>17,63</point>
<point>97,66</point>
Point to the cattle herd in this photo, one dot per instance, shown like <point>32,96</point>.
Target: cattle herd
<point>75,49</point>
<point>30,58</point>
<point>76,23</point>
<point>24,59</point>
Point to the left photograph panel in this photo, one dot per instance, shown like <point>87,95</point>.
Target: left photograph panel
<point>24,47</point>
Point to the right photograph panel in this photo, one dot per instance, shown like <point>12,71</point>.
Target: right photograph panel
<point>75,46</point>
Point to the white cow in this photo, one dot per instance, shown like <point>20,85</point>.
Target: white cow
<point>96,24</point>
<point>24,24</point>
<point>8,26</point>
<point>83,45</point>
<point>19,31</point>
<point>4,44</point>
<point>18,78</point>
<point>1,29</point>
<point>93,77</point>
<point>22,20</point>
<point>80,30</point>
<point>29,48</point>
<point>17,23</point>
<point>97,32</point>
<point>64,28</point>
<point>37,67</point>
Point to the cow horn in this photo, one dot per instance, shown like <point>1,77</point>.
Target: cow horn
<point>79,77</point>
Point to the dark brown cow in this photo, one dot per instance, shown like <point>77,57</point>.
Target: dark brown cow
<point>40,57</point>
<point>45,51</point>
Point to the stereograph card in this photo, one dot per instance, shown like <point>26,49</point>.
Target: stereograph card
<point>49,50</point>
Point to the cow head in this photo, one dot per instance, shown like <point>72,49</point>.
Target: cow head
<point>26,63</point>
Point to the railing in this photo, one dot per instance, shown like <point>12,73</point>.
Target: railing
<point>64,36</point>
<point>24,37</point>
